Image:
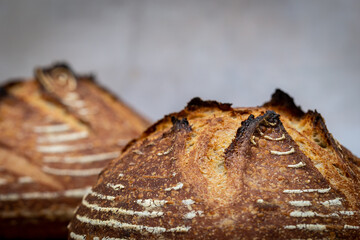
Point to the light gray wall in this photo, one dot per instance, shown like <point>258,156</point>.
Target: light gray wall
<point>157,55</point>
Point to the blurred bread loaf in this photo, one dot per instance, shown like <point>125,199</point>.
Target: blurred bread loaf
<point>216,172</point>
<point>58,131</point>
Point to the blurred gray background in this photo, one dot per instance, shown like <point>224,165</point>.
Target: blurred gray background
<point>157,55</point>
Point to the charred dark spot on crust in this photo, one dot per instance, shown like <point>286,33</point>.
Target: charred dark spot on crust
<point>179,124</point>
<point>197,102</point>
<point>283,101</point>
<point>248,127</point>
<point>318,120</point>
<point>270,119</point>
<point>319,128</point>
<point>320,132</point>
<point>244,125</point>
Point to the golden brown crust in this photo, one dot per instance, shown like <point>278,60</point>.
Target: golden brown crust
<point>216,172</point>
<point>58,132</point>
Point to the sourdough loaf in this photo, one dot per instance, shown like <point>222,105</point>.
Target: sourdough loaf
<point>216,172</point>
<point>57,133</point>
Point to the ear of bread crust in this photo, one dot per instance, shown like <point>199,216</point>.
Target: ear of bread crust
<point>327,154</point>
<point>312,124</point>
<point>282,102</point>
<point>245,134</point>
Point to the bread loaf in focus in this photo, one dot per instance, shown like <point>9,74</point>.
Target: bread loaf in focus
<point>216,172</point>
<point>58,131</point>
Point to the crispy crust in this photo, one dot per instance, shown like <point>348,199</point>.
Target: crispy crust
<point>53,146</point>
<point>284,103</point>
<point>216,172</point>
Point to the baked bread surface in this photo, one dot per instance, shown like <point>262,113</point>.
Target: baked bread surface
<point>216,172</point>
<point>58,131</point>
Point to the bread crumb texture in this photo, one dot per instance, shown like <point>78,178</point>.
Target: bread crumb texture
<point>53,146</point>
<point>216,172</point>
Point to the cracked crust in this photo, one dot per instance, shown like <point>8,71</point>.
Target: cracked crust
<point>216,172</point>
<point>52,147</point>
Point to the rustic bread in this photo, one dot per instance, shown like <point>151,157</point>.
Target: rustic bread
<point>216,172</point>
<point>57,133</point>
